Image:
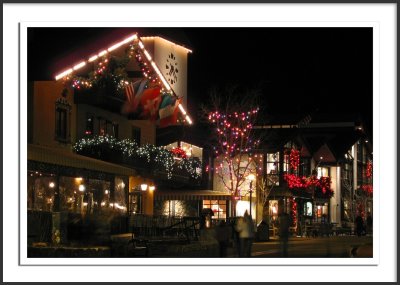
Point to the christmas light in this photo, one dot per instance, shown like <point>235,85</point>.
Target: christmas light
<point>102,53</point>
<point>79,65</point>
<point>64,73</point>
<point>159,156</point>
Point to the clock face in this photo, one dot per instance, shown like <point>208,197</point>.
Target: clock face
<point>172,69</point>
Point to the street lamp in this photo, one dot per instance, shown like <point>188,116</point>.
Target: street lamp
<point>251,177</point>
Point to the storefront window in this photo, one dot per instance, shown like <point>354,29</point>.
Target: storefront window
<point>273,209</point>
<point>321,212</point>
<point>41,188</point>
<point>120,195</point>
<point>70,194</point>
<point>308,209</point>
<point>135,203</point>
<point>217,206</point>
<point>97,197</point>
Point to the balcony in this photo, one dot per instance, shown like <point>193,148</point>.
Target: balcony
<point>147,160</point>
<point>106,98</point>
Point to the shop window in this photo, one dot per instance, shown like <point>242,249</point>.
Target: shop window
<point>120,195</point>
<point>308,209</point>
<point>135,203</point>
<point>41,188</point>
<point>62,120</point>
<point>321,213</point>
<point>217,206</point>
<point>273,210</point>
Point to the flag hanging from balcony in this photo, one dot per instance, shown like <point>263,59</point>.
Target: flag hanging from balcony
<point>133,92</point>
<point>149,104</point>
<point>168,112</point>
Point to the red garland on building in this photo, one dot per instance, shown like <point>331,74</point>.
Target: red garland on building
<point>293,212</point>
<point>367,188</point>
<point>323,184</point>
<point>294,158</point>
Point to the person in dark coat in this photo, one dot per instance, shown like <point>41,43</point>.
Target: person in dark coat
<point>369,222</point>
<point>284,223</point>
<point>359,225</point>
<point>222,235</point>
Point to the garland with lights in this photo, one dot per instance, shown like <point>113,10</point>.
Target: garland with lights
<point>159,157</point>
<point>293,212</point>
<point>322,185</point>
<point>294,158</point>
<point>110,72</point>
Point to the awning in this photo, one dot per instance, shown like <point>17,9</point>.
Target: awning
<point>70,159</point>
<point>191,195</point>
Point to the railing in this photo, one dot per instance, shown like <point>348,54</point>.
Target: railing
<point>164,226</point>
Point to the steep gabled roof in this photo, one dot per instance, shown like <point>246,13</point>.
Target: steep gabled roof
<point>134,37</point>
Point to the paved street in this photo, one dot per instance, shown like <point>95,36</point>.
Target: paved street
<point>337,246</point>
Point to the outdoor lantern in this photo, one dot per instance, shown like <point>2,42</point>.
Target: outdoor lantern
<point>152,188</point>
<point>143,187</point>
<point>51,184</point>
<point>81,188</point>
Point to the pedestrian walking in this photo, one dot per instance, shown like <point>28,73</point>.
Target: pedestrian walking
<point>222,236</point>
<point>284,233</point>
<point>369,223</point>
<point>245,229</point>
<point>359,225</point>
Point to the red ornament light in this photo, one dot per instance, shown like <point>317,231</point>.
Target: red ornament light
<point>178,152</point>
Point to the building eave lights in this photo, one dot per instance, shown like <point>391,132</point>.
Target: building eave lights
<point>186,49</point>
<point>148,56</point>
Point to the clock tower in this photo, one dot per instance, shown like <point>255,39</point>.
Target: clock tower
<point>171,59</point>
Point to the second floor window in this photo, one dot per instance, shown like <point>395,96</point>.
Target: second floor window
<point>304,167</point>
<point>323,172</point>
<point>89,124</point>
<point>107,127</point>
<point>273,169</point>
<point>61,123</point>
<point>136,134</point>
<point>62,117</point>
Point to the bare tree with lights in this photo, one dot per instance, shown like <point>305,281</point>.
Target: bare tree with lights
<point>235,146</point>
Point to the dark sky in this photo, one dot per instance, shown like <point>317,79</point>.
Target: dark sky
<point>297,70</point>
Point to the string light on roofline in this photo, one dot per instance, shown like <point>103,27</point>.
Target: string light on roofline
<point>95,57</point>
<point>146,53</point>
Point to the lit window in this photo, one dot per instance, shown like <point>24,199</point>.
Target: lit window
<point>323,172</point>
<point>217,206</point>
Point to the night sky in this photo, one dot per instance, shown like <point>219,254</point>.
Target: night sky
<point>297,70</point>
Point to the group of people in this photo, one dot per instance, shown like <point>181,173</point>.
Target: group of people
<point>241,232</point>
